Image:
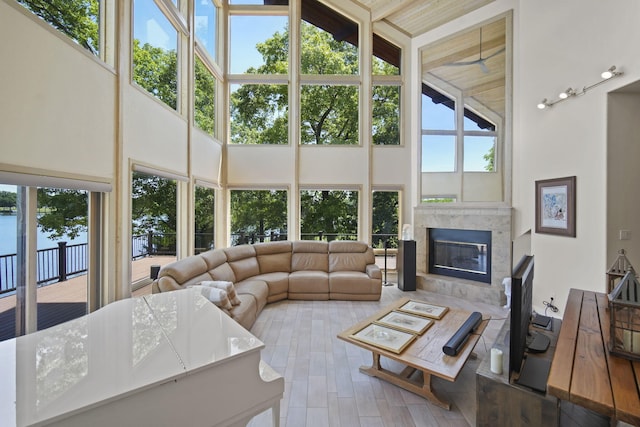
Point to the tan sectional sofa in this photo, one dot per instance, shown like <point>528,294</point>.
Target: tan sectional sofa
<point>269,272</point>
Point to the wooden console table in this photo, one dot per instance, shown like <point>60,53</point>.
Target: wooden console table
<point>583,372</point>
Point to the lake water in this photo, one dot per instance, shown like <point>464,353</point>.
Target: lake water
<point>8,236</point>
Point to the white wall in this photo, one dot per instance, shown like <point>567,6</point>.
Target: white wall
<point>57,104</point>
<point>623,161</point>
<point>559,45</point>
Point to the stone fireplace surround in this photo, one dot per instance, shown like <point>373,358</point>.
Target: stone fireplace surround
<point>465,217</point>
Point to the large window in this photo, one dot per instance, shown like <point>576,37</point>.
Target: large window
<point>259,69</point>
<point>329,114</point>
<point>204,238</point>
<point>259,114</point>
<point>56,219</point>
<point>479,147</point>
<point>329,215</point>
<point>153,216</point>
<point>205,17</point>
<point>387,86</point>
<point>259,44</point>
<point>155,52</point>
<point>384,223</point>
<point>329,111</point>
<point>445,145</point>
<point>205,97</point>
<point>78,19</point>
<point>258,216</point>
<point>438,133</point>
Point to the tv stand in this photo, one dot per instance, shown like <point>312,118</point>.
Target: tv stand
<point>501,400</point>
<point>538,343</point>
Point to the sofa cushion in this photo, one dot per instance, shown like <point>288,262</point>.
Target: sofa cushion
<point>214,258</point>
<point>309,255</point>
<point>308,282</point>
<point>278,283</point>
<point>347,255</point>
<point>184,270</point>
<point>258,289</point>
<point>243,262</point>
<point>246,312</point>
<point>353,282</point>
<point>274,256</point>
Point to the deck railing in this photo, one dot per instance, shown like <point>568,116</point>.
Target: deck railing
<point>60,263</point>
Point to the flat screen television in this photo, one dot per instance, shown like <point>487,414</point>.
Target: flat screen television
<point>521,309</point>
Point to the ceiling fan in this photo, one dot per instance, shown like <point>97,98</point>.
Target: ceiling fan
<point>480,61</point>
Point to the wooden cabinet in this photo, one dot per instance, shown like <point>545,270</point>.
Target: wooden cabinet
<point>500,402</point>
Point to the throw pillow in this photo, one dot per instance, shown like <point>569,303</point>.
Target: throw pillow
<point>217,296</point>
<point>225,286</point>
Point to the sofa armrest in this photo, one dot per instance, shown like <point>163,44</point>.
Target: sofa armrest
<point>373,271</point>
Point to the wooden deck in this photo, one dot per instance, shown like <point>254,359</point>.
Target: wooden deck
<point>73,292</point>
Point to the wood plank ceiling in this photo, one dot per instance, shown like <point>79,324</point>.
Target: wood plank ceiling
<point>473,61</point>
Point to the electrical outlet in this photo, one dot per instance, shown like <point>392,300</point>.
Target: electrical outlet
<point>625,234</point>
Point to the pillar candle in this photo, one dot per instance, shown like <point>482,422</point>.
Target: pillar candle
<point>496,361</point>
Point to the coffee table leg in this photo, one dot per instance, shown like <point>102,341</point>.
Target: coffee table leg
<point>402,380</point>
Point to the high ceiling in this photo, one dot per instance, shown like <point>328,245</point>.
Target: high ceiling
<point>415,17</point>
<point>472,61</point>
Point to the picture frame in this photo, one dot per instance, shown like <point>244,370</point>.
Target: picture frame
<point>424,309</point>
<point>383,337</point>
<point>405,322</point>
<point>556,206</point>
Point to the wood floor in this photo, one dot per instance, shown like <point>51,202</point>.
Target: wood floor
<point>323,384</point>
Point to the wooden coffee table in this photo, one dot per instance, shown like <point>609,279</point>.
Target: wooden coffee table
<point>424,354</point>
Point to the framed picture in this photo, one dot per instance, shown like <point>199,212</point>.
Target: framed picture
<point>423,309</point>
<point>386,338</point>
<point>556,206</point>
<point>405,322</point>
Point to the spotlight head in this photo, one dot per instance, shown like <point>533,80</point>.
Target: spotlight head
<point>567,93</point>
<point>609,73</point>
<point>543,104</point>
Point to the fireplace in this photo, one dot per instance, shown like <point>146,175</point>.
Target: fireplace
<point>465,254</point>
<point>489,217</point>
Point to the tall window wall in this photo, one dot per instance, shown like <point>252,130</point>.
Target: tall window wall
<point>257,84</point>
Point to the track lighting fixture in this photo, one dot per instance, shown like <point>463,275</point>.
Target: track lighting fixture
<point>570,92</point>
<point>567,93</point>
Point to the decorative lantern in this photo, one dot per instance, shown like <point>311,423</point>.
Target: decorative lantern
<point>618,269</point>
<point>624,309</point>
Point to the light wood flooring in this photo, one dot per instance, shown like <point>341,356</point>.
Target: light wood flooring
<point>323,384</point>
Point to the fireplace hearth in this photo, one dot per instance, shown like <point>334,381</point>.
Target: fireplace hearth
<point>465,254</point>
